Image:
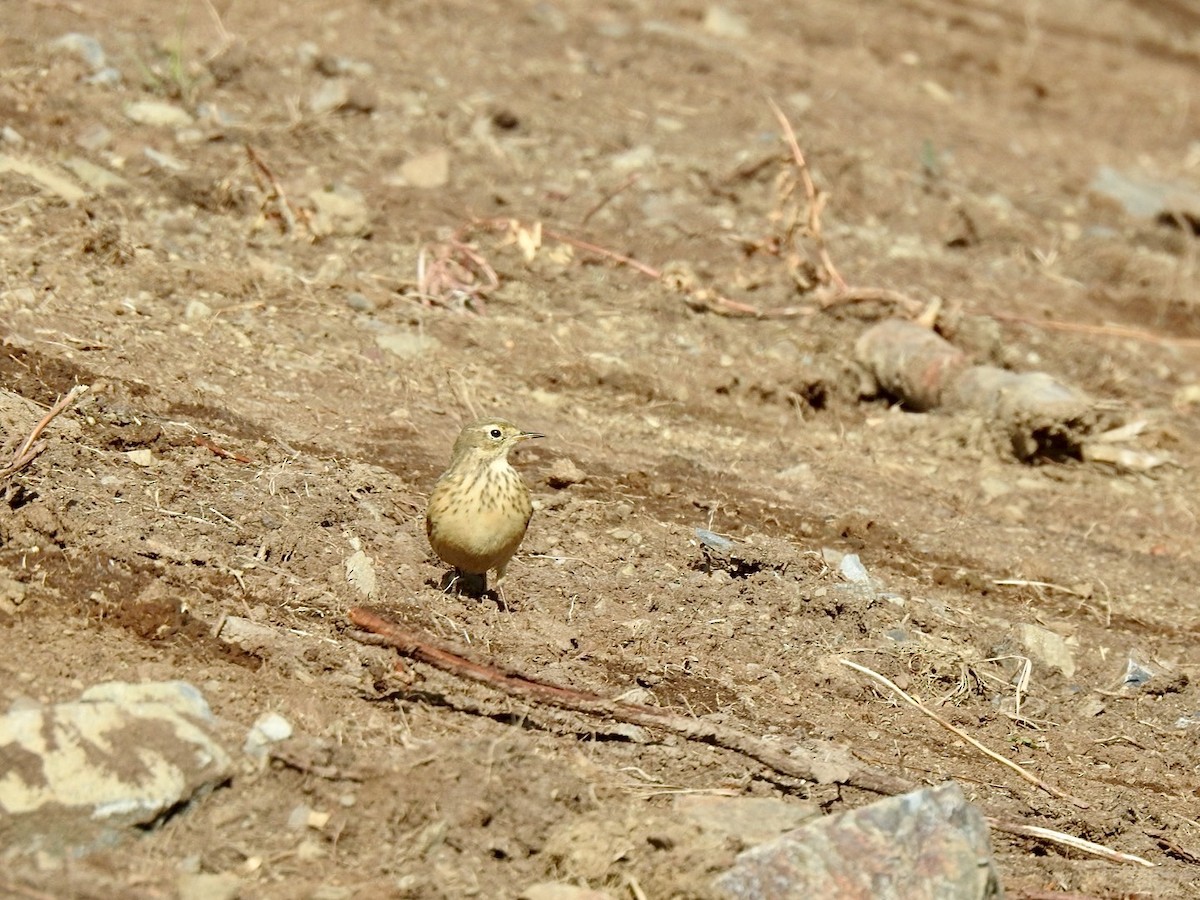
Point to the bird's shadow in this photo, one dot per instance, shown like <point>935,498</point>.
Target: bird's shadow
<point>468,584</point>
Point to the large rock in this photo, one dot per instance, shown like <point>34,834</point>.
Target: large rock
<point>76,774</point>
<point>925,845</point>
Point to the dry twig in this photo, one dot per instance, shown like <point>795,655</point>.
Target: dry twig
<point>991,754</point>
<point>1067,840</point>
<point>698,298</point>
<point>796,762</point>
<point>209,444</point>
<point>28,450</point>
<point>609,197</point>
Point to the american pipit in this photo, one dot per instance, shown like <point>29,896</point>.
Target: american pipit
<point>480,508</point>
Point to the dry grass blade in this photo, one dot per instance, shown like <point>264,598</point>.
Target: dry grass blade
<point>991,754</point>
<point>1068,840</point>
<point>28,450</point>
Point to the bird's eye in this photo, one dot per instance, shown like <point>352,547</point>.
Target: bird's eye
<point>496,434</point>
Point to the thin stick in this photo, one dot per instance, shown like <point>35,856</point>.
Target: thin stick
<point>795,762</point>
<point>710,300</point>
<point>1068,840</point>
<point>27,452</point>
<point>1024,773</point>
<point>609,197</point>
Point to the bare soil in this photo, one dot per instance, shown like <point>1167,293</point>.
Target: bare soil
<point>206,305</point>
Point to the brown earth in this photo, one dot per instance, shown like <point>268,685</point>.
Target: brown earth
<point>956,141</point>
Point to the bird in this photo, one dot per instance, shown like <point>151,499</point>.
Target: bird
<point>479,509</point>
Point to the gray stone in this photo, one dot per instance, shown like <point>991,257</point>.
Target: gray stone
<point>83,46</point>
<point>1148,198</point>
<point>1046,647</point>
<point>75,773</point>
<point>329,96</point>
<point>269,728</point>
<point>926,845</point>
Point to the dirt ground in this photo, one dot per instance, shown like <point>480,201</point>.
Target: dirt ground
<point>267,302</point>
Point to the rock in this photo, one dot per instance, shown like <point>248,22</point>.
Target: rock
<point>1046,647</point>
<point>1148,198</point>
<point>164,161</point>
<point>341,211</point>
<point>406,344</point>
<point>94,137</point>
<point>45,178</point>
<point>157,113</point>
<point>98,178</point>
<point>208,886</point>
<point>197,310</point>
<point>360,572</point>
<point>553,890</point>
<point>564,473</point>
<point>359,302</point>
<point>750,820</point>
<point>919,846</point>
<point>83,46</point>
<point>719,21</point>
<point>12,594</point>
<point>331,95</point>
<point>269,728</point>
<point>633,159</point>
<point>850,567</point>
<point>427,171</point>
<point>259,640</point>
<point>142,457</point>
<point>714,541</point>
<point>73,774</point>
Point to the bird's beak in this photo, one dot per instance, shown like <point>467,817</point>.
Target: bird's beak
<point>529,435</point>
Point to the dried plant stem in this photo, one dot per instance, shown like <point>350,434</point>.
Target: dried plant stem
<point>795,762</point>
<point>991,754</point>
<point>1068,840</point>
<point>27,452</point>
<point>710,300</point>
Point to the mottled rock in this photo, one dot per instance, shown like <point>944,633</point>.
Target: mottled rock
<point>124,754</point>
<point>564,473</point>
<point>925,845</point>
